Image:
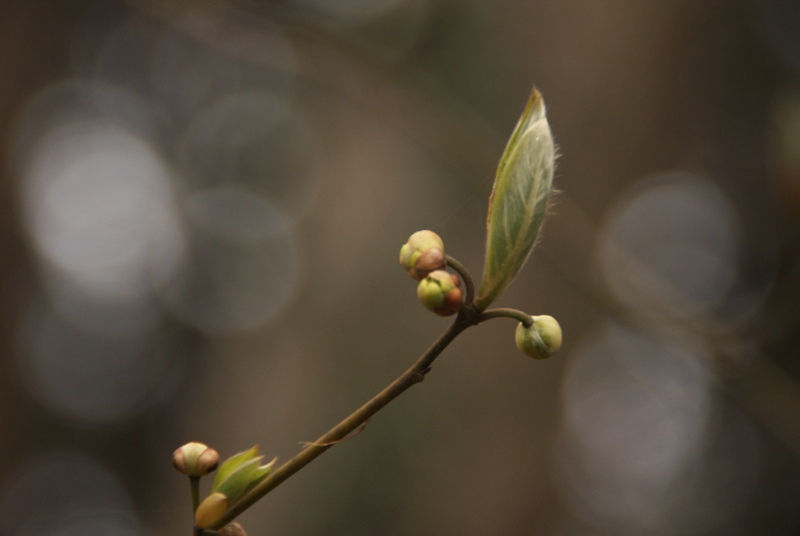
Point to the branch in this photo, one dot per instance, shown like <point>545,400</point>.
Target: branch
<point>412,376</point>
<point>502,312</point>
<point>462,271</point>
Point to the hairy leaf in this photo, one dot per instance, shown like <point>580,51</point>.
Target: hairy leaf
<point>518,202</point>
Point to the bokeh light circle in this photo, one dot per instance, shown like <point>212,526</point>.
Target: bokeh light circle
<point>85,376</point>
<point>95,199</point>
<point>635,415</point>
<point>257,139</point>
<point>243,262</point>
<point>66,494</point>
<point>670,246</point>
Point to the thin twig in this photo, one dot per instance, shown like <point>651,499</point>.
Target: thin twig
<point>412,376</point>
<point>462,271</point>
<point>194,485</point>
<point>502,312</point>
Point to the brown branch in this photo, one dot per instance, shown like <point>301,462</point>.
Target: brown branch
<point>467,317</point>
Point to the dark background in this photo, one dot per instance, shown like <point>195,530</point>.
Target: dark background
<point>202,206</point>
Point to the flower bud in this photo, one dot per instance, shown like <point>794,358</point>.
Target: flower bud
<point>232,529</point>
<point>440,292</point>
<point>210,510</point>
<point>195,459</point>
<point>541,340</point>
<point>422,254</point>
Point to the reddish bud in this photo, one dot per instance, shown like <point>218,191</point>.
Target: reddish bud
<point>441,292</point>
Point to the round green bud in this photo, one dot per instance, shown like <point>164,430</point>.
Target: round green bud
<point>195,459</point>
<point>541,340</point>
<point>422,254</point>
<point>211,510</point>
<point>440,292</point>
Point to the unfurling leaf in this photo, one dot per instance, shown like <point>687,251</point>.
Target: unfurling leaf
<point>518,201</point>
<point>239,473</point>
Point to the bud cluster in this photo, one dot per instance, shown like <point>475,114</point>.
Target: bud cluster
<point>424,260</point>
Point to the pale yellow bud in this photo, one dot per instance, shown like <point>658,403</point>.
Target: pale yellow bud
<point>210,510</point>
<point>541,340</point>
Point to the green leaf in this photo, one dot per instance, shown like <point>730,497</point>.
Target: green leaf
<point>231,465</point>
<point>239,473</point>
<point>518,202</point>
<point>244,477</point>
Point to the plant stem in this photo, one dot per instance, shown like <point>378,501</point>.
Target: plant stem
<point>462,271</point>
<point>501,312</point>
<point>194,484</point>
<point>467,317</point>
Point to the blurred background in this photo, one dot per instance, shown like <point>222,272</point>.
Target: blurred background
<point>202,206</point>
